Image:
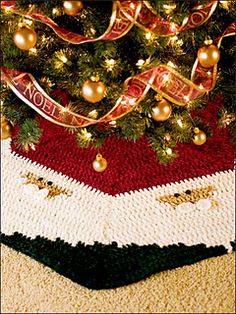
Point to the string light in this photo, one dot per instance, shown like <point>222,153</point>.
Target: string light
<point>227,119</point>
<point>61,59</point>
<point>61,56</point>
<point>171,64</point>
<point>110,64</point>
<point>224,4</point>
<point>88,135</point>
<point>93,114</point>
<point>169,7</point>
<point>28,22</point>
<point>169,151</point>
<point>46,81</point>
<point>33,51</point>
<point>140,63</point>
<point>174,40</point>
<point>43,38</point>
<point>167,137</point>
<point>132,5</point>
<point>85,134</point>
<point>64,59</point>
<point>32,146</point>
<point>55,11</point>
<point>92,30</point>
<point>95,78</point>
<point>186,98</point>
<point>180,42</point>
<point>148,36</point>
<point>113,123</point>
<point>180,123</point>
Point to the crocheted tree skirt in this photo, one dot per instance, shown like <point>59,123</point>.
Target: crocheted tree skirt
<point>105,230</point>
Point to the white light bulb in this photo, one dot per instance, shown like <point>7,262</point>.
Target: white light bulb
<point>148,36</point>
<point>64,59</point>
<point>180,123</point>
<point>169,151</point>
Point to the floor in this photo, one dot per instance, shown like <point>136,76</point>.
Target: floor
<point>205,287</point>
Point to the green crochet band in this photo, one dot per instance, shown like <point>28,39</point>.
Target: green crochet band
<point>101,266</point>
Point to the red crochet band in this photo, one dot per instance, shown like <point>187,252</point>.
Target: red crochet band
<point>131,166</point>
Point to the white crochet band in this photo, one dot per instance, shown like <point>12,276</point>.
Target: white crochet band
<point>89,215</point>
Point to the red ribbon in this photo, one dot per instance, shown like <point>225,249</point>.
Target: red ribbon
<point>124,15</point>
<point>163,79</point>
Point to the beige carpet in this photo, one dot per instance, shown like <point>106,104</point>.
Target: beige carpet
<point>205,287</point>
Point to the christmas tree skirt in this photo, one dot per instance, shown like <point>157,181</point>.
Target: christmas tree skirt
<point>137,218</point>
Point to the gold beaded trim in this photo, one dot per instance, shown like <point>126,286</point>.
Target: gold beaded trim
<point>191,196</point>
<point>43,183</point>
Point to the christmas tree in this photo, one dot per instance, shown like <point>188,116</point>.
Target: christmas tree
<point>117,68</point>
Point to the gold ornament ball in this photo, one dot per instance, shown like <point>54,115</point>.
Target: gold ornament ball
<point>6,129</point>
<point>25,38</point>
<point>72,7</point>
<point>199,138</point>
<point>208,56</point>
<point>93,91</point>
<point>161,111</point>
<point>99,164</point>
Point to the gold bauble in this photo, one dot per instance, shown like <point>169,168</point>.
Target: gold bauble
<point>199,137</point>
<point>208,56</point>
<point>93,91</point>
<point>72,7</point>
<point>161,111</point>
<point>100,163</point>
<point>6,129</point>
<point>25,38</point>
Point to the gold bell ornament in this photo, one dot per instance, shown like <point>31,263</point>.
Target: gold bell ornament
<point>93,90</point>
<point>6,128</point>
<point>25,38</point>
<point>72,7</point>
<point>161,111</point>
<point>100,163</point>
<point>208,55</point>
<point>199,137</point>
